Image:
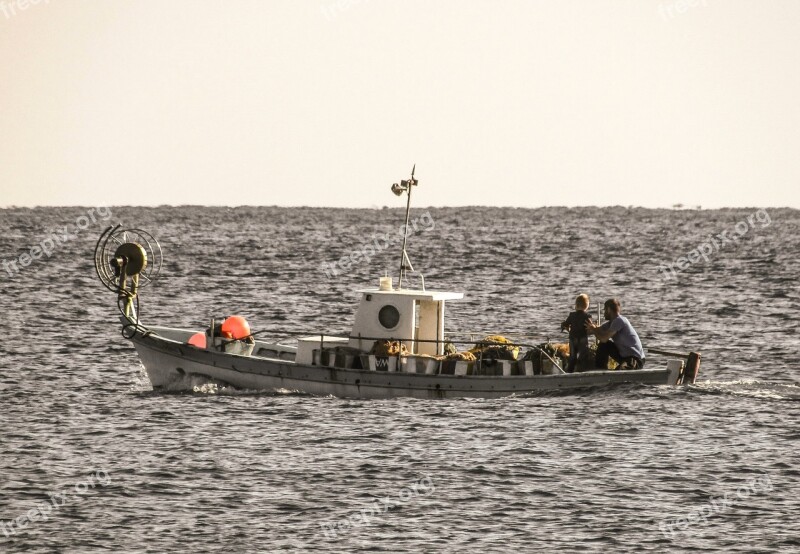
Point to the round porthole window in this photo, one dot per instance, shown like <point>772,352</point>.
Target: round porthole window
<point>389,317</point>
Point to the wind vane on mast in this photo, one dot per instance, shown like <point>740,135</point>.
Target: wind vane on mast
<point>399,189</point>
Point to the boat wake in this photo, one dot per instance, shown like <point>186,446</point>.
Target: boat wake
<point>201,385</point>
<point>750,388</point>
<point>223,389</point>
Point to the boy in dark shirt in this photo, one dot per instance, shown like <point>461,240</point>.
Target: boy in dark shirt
<point>578,339</point>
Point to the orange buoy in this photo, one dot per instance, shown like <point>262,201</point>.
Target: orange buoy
<point>237,326</point>
<point>198,340</point>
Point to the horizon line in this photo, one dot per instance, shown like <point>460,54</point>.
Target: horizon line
<point>674,207</point>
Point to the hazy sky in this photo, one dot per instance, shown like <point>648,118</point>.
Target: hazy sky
<point>326,103</point>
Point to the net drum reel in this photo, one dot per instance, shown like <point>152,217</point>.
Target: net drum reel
<point>126,260</point>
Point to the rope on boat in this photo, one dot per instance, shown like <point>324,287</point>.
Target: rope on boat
<point>135,325</point>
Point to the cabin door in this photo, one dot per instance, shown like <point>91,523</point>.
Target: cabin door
<point>428,326</point>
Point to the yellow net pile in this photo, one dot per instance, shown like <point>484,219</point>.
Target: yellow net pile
<point>389,348</point>
<point>461,357</point>
<point>495,347</point>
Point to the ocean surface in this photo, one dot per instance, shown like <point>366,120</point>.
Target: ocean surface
<point>91,459</point>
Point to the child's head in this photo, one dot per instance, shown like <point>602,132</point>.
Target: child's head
<point>582,302</point>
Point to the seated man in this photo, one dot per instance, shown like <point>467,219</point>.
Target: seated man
<point>617,339</point>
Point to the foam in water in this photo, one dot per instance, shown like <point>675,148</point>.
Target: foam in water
<point>752,388</point>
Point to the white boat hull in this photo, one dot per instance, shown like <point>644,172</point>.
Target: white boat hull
<point>169,362</point>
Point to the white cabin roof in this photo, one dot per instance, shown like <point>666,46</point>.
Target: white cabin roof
<point>415,294</point>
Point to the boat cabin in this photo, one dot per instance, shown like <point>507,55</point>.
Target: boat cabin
<point>401,314</point>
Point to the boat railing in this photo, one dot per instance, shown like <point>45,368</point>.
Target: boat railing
<point>455,340</point>
<point>452,340</point>
<point>690,359</point>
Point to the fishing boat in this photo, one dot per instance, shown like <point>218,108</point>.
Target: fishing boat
<point>397,346</point>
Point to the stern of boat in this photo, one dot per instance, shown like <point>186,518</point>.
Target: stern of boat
<point>683,371</point>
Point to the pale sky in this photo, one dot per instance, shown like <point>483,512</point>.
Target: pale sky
<point>326,103</point>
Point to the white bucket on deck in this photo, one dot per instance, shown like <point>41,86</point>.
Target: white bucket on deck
<point>549,368</point>
<point>382,363</point>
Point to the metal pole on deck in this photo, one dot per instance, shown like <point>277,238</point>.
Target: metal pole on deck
<point>403,256</point>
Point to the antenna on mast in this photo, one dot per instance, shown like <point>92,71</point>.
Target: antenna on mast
<point>399,189</point>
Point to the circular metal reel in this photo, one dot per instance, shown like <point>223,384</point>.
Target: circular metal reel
<point>135,258</point>
<point>139,250</point>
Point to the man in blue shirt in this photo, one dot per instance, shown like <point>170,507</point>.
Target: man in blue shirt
<point>618,339</point>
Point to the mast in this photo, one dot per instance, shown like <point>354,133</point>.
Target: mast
<point>405,186</point>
